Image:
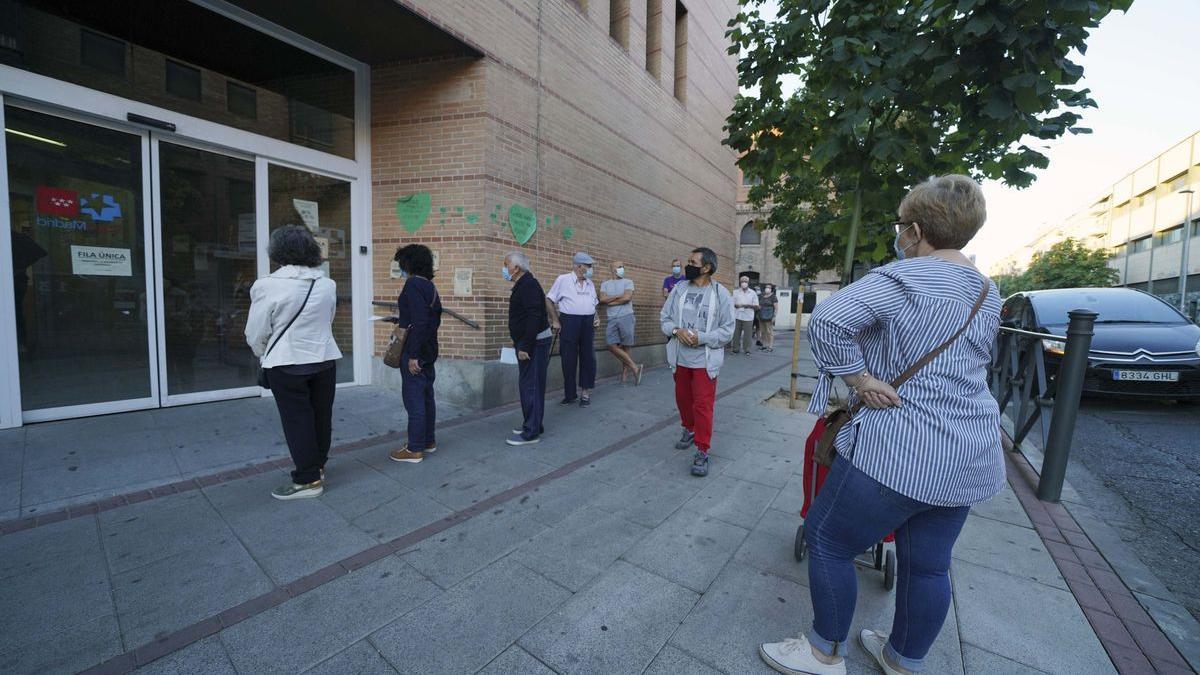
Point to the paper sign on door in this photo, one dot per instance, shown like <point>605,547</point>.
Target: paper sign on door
<point>101,261</point>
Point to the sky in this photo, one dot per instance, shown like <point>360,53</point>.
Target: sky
<point>1143,68</point>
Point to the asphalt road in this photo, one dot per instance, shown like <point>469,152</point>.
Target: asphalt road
<point>1140,464</point>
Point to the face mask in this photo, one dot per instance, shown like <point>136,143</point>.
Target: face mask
<point>900,252</point>
<point>507,274</point>
<point>691,272</point>
<point>588,273</point>
<point>620,272</point>
<point>745,285</point>
<point>675,270</point>
<point>403,274</point>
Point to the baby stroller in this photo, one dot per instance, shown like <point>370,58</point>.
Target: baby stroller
<point>813,477</point>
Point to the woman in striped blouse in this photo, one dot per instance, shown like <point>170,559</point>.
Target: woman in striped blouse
<point>912,461</point>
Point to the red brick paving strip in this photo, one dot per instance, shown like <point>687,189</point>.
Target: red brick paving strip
<point>1133,641</point>
<point>176,640</point>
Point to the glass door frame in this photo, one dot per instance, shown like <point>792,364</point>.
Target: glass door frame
<point>166,397</point>
<point>64,99</point>
<point>7,305</point>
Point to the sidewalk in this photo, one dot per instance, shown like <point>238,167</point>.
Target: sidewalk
<point>593,552</point>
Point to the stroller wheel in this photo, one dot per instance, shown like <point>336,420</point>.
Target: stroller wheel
<point>801,544</point>
<point>879,556</point>
<point>889,571</point>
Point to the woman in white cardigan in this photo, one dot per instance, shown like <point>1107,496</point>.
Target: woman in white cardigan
<point>290,329</point>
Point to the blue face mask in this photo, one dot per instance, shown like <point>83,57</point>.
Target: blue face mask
<point>588,273</point>
<point>507,274</point>
<point>620,272</point>
<point>403,274</point>
<point>675,270</point>
<point>900,252</point>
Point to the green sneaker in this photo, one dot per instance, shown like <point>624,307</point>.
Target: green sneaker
<point>294,491</point>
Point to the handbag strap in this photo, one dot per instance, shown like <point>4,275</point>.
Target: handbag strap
<point>297,316</point>
<point>936,351</point>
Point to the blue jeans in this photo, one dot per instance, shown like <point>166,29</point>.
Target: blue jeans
<point>532,383</point>
<point>850,514</point>
<point>417,392</point>
<point>577,348</point>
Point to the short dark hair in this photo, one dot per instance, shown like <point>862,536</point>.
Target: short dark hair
<point>707,257</point>
<point>416,259</point>
<point>294,245</point>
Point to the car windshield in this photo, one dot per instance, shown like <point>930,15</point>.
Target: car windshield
<point>1129,307</point>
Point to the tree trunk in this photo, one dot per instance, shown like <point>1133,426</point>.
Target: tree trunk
<point>852,240</point>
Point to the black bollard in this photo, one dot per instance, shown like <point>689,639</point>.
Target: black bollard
<point>1066,404</point>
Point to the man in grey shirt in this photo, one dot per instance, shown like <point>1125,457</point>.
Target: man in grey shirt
<point>617,294</point>
<point>698,317</point>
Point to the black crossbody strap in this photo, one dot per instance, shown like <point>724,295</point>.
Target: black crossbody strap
<point>297,316</point>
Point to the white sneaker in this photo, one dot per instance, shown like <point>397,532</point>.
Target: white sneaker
<point>873,642</point>
<point>794,656</point>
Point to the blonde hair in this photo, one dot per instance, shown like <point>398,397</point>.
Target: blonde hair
<point>949,209</point>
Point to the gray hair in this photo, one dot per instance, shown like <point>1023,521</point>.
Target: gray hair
<point>519,259</point>
<point>707,257</point>
<point>949,209</point>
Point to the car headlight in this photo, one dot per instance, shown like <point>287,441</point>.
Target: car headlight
<point>1197,347</point>
<point>1056,346</point>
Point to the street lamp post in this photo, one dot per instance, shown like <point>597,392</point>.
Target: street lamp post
<point>1183,262</point>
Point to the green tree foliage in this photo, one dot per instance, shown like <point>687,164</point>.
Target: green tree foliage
<point>892,92</point>
<point>1068,264</point>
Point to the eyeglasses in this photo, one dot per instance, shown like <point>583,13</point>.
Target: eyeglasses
<point>901,225</point>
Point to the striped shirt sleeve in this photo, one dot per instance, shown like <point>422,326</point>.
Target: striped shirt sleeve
<point>838,321</point>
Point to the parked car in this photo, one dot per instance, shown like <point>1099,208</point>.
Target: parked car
<point>1142,345</point>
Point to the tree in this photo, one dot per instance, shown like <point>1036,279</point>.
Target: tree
<point>1068,264</point>
<point>892,92</point>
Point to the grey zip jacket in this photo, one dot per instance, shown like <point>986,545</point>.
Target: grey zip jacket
<point>716,334</point>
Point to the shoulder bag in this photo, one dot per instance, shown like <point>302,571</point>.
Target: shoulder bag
<point>262,372</point>
<point>827,427</point>
<point>394,356</point>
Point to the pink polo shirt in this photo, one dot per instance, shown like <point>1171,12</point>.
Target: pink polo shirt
<point>573,295</point>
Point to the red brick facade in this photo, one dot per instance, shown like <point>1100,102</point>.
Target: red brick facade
<point>567,122</point>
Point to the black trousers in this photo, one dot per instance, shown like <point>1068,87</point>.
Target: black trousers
<point>305,405</point>
<point>576,350</point>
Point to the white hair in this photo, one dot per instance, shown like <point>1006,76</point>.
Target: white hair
<point>519,259</point>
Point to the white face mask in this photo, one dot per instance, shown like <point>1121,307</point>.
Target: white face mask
<point>620,272</point>
<point>745,285</point>
<point>588,273</point>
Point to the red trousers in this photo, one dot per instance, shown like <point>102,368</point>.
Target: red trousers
<point>695,394</point>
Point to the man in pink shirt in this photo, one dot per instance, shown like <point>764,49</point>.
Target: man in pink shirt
<point>575,295</point>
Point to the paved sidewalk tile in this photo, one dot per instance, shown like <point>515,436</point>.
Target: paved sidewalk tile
<point>580,548</point>
<point>1017,618</point>
<point>771,547</point>
<point>1004,507</point>
<point>617,625</point>
<point>465,628</point>
<point>362,658</point>
<point>206,657</point>
<point>140,534</point>
<point>689,549</point>
<point>733,501</point>
<point>1008,548</point>
<point>288,539</point>
<point>760,467</point>
<point>73,650</point>
<point>312,627</point>
<point>672,661</point>
<point>980,661</point>
<point>551,503</point>
<point>458,552</point>
<point>516,661</point>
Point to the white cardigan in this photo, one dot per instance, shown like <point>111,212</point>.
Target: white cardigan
<point>274,300</point>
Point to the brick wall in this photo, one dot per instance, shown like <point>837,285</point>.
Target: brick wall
<point>584,136</point>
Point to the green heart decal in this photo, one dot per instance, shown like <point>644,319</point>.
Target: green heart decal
<point>472,218</point>
<point>523,223</point>
<point>413,211</point>
<point>568,233</point>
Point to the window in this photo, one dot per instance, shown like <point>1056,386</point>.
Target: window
<point>241,100</point>
<point>1196,228</point>
<point>748,181</point>
<point>681,39</point>
<point>654,38</point>
<point>102,53</point>
<point>1171,236</point>
<point>750,234</point>
<point>183,81</point>
<point>1139,245</point>
<point>311,126</point>
<point>618,21</point>
<point>1119,250</point>
<point>1178,182</point>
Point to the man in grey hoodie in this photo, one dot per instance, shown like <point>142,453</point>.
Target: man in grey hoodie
<point>698,317</point>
